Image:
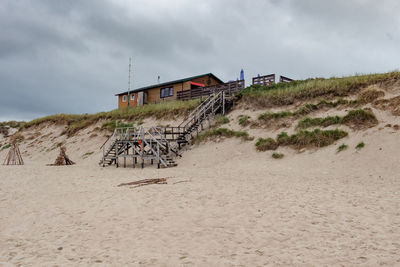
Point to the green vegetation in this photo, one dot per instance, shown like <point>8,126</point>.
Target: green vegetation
<point>306,109</point>
<point>287,93</point>
<point>358,118</point>
<point>77,122</point>
<point>111,125</point>
<point>266,144</point>
<point>316,138</point>
<point>370,95</point>
<point>244,120</point>
<point>222,132</point>
<point>360,145</point>
<point>12,124</point>
<point>342,147</point>
<point>220,119</point>
<point>277,155</point>
<point>283,139</point>
<point>324,122</point>
<point>6,146</point>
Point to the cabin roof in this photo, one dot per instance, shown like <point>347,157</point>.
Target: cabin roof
<point>170,83</point>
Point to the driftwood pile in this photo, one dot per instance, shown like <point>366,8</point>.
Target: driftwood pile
<point>14,156</point>
<point>146,182</point>
<point>62,158</point>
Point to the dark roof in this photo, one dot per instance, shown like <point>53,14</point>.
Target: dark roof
<point>171,82</point>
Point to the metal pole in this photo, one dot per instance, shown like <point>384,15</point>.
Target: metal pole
<point>223,102</point>
<point>129,81</point>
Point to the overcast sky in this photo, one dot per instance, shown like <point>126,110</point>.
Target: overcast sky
<point>72,56</point>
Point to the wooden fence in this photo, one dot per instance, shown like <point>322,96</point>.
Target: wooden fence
<point>265,80</point>
<point>284,79</point>
<point>230,88</point>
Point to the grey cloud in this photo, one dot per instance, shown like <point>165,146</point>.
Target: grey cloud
<point>72,56</point>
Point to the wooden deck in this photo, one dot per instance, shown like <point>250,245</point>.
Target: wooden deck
<point>229,88</point>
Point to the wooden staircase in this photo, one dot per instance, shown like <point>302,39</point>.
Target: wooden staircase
<point>161,145</point>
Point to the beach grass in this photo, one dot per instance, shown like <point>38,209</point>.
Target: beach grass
<point>76,122</point>
<point>287,93</point>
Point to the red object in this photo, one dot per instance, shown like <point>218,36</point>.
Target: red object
<point>198,84</point>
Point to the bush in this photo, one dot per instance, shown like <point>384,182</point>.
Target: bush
<point>283,139</point>
<point>316,138</point>
<point>220,119</point>
<point>370,95</point>
<point>6,146</point>
<point>244,120</point>
<point>266,144</point>
<point>358,118</point>
<point>342,147</point>
<point>222,132</point>
<point>277,155</point>
<point>360,145</point>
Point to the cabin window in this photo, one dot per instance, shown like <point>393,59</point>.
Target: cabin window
<point>124,98</point>
<point>166,92</point>
<point>132,97</point>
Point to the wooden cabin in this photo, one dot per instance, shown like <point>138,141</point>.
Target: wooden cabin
<point>165,91</point>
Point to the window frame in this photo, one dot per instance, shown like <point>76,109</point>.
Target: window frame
<point>124,98</point>
<point>132,97</point>
<point>169,90</point>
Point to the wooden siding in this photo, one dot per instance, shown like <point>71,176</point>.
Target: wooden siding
<point>153,94</point>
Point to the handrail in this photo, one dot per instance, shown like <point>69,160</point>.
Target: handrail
<point>196,109</point>
<point>158,146</point>
<point>204,108</point>
<point>165,140</point>
<point>108,139</point>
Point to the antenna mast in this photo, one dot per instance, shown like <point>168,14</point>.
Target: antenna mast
<point>129,81</point>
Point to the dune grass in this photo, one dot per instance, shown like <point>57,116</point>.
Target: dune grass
<point>287,93</point>
<point>220,119</point>
<point>12,124</point>
<point>342,147</point>
<point>221,132</point>
<point>358,119</point>
<point>112,125</point>
<point>302,139</point>
<point>277,155</point>
<point>244,120</point>
<point>266,144</point>
<point>6,146</point>
<point>306,109</point>
<point>76,122</point>
<point>360,145</point>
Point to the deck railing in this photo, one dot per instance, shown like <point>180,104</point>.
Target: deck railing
<point>230,88</point>
<point>265,80</point>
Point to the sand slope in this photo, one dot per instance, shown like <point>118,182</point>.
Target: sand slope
<point>225,204</point>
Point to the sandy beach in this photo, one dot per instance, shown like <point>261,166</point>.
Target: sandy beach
<point>232,207</point>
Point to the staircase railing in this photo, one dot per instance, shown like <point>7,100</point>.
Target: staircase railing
<point>173,148</point>
<point>203,103</point>
<point>150,145</point>
<point>153,142</point>
<point>202,113</point>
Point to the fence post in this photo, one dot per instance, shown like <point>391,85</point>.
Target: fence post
<point>223,102</point>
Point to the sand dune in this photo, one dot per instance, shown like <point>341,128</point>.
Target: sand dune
<point>224,205</point>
